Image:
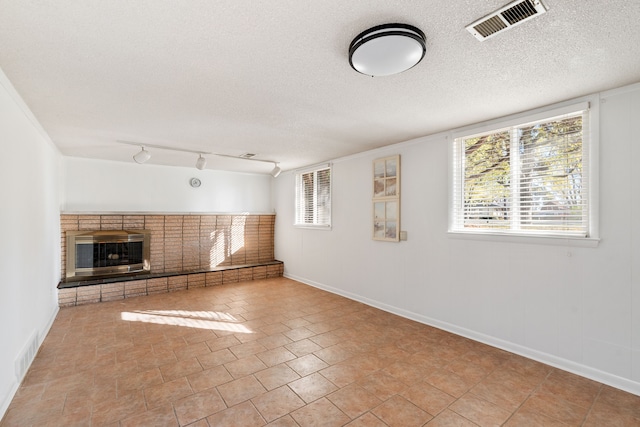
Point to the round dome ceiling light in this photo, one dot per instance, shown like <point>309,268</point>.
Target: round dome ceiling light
<point>387,49</point>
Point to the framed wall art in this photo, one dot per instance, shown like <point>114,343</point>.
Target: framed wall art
<point>386,199</point>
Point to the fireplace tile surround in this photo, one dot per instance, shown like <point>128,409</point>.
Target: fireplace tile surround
<point>187,251</point>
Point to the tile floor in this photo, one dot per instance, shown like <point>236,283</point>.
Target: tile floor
<point>277,352</point>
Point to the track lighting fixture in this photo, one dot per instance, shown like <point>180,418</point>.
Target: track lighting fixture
<point>141,156</point>
<point>276,171</point>
<point>201,163</point>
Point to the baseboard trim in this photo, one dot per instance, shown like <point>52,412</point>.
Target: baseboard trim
<point>7,399</point>
<point>549,359</point>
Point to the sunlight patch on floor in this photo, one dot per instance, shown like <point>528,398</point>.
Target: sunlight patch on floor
<point>192,319</point>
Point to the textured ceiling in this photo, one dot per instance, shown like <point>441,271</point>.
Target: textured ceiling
<point>273,77</point>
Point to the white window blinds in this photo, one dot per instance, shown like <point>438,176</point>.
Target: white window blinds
<point>313,198</point>
<point>525,179</point>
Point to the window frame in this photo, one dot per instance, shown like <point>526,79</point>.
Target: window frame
<point>591,169</point>
<point>298,204</point>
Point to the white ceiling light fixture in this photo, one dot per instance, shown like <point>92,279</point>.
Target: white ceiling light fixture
<point>141,156</point>
<point>276,171</point>
<point>201,163</point>
<point>387,49</point>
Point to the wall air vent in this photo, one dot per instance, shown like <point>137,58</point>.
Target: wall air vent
<point>506,17</point>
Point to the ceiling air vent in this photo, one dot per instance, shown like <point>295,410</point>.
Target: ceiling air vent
<point>247,155</point>
<point>506,17</point>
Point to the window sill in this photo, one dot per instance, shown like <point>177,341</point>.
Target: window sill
<point>580,242</point>
<point>313,227</point>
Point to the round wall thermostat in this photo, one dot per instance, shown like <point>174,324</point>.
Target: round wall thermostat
<point>195,182</point>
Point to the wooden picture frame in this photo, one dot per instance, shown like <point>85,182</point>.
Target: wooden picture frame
<point>386,199</point>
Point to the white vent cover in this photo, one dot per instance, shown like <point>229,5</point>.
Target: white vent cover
<point>506,17</point>
<point>26,356</point>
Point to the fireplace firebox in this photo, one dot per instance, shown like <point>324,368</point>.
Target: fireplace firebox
<point>98,254</point>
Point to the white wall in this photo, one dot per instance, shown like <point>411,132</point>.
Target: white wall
<point>30,230</point>
<point>105,186</point>
<point>579,312</point>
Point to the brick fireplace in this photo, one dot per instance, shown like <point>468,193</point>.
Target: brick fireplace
<point>186,250</point>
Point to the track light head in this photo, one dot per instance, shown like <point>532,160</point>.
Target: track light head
<point>276,171</point>
<point>201,163</point>
<point>141,156</point>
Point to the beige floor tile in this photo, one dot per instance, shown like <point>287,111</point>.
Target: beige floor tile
<point>277,403</point>
<point>571,388</point>
<point>162,416</point>
<point>191,350</point>
<point>600,416</point>
<point>155,360</point>
<point>505,387</point>
<point>298,334</point>
<point>399,412</point>
<point>172,371</point>
<point>138,381</point>
<point>303,347</point>
<point>382,385</point>
<point>341,375</point>
<point>167,392</point>
<point>276,376</point>
<point>307,364</point>
<point>334,354</point>
<point>480,411</point>
<point>240,390</point>
<point>428,398</point>
<point>295,321</point>
<point>209,378</point>
<point>198,406</point>
<point>326,339</point>
<point>245,366</point>
<point>555,407</point>
<point>111,411</point>
<point>276,356</point>
<point>247,349</point>
<point>275,328</point>
<point>367,420</point>
<point>274,340</point>
<point>320,413</point>
<point>449,418</point>
<point>34,411</point>
<point>216,358</point>
<point>222,342</point>
<point>449,382</point>
<point>312,387</point>
<point>244,414</point>
<point>285,421</point>
<point>354,400</point>
<point>278,352</point>
<point>526,418</point>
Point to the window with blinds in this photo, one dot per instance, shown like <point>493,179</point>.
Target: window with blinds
<point>313,198</point>
<point>527,179</point>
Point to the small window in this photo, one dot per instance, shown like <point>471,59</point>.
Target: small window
<point>527,179</point>
<point>313,198</point>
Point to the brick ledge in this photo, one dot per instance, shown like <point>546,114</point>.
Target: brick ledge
<point>112,289</point>
<point>64,284</point>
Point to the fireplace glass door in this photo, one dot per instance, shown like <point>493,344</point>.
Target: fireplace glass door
<point>106,253</point>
